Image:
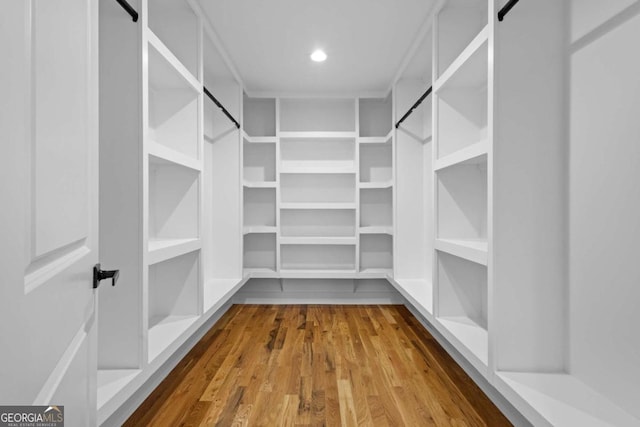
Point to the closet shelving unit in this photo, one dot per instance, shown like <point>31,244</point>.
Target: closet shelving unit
<point>318,188</point>
<point>480,250</point>
<point>168,160</point>
<point>260,187</point>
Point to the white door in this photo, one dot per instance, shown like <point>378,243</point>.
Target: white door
<point>48,205</point>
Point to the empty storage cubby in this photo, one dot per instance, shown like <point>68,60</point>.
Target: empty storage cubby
<point>259,162</point>
<point>376,252</point>
<point>318,223</point>
<point>259,207</point>
<point>375,116</point>
<point>459,22</point>
<point>322,115</point>
<point>328,155</point>
<point>176,26</point>
<point>376,207</point>
<point>462,302</point>
<point>318,257</point>
<point>173,107</point>
<point>173,201</point>
<point>318,188</point>
<point>259,116</point>
<point>376,163</point>
<point>260,252</point>
<point>173,300</point>
<point>462,105</point>
<point>462,202</point>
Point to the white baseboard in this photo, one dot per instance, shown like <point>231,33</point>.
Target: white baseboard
<point>317,291</point>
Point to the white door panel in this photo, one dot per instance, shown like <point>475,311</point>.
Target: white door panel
<point>48,219</point>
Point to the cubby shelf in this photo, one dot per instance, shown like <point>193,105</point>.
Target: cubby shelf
<point>172,61</point>
<point>259,184</point>
<point>259,139</point>
<point>473,154</point>
<point>319,205</point>
<point>257,229</point>
<point>376,139</point>
<point>316,135</point>
<point>473,338</point>
<point>165,330</point>
<point>161,154</point>
<point>164,249</point>
<point>316,168</point>
<point>376,230</point>
<point>323,240</point>
<point>373,185</point>
<point>112,381</point>
<point>466,69</point>
<point>261,273</point>
<point>561,399</point>
<point>317,274</point>
<point>472,250</point>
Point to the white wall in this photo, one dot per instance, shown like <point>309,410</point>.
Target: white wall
<point>604,201</point>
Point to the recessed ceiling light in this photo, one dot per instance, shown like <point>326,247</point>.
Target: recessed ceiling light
<point>318,56</point>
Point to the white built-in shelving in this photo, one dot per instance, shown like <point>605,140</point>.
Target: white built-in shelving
<point>173,161</point>
<point>318,185</point>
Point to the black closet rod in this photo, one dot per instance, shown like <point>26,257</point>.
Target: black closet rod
<point>220,106</point>
<point>414,106</point>
<point>130,10</point>
<point>506,8</point>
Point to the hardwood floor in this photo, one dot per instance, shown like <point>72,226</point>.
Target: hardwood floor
<point>317,365</point>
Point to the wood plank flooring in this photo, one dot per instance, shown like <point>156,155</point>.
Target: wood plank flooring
<point>300,365</point>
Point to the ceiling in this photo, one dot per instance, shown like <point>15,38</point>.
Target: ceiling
<point>269,42</point>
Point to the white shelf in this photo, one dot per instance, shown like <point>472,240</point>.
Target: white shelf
<point>469,67</point>
<point>164,249</point>
<point>259,229</point>
<point>259,139</point>
<point>376,139</point>
<point>259,184</point>
<point>317,135</point>
<point>112,381</point>
<point>161,154</point>
<point>562,400</point>
<point>472,336</point>
<point>472,154</point>
<point>371,185</point>
<point>165,331</point>
<point>418,291</point>
<point>260,273</point>
<point>374,273</point>
<point>376,230</point>
<point>324,240</point>
<point>317,274</point>
<point>469,249</point>
<point>316,168</point>
<point>313,205</point>
<point>164,51</point>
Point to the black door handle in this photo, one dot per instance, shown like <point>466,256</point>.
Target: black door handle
<point>99,275</point>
